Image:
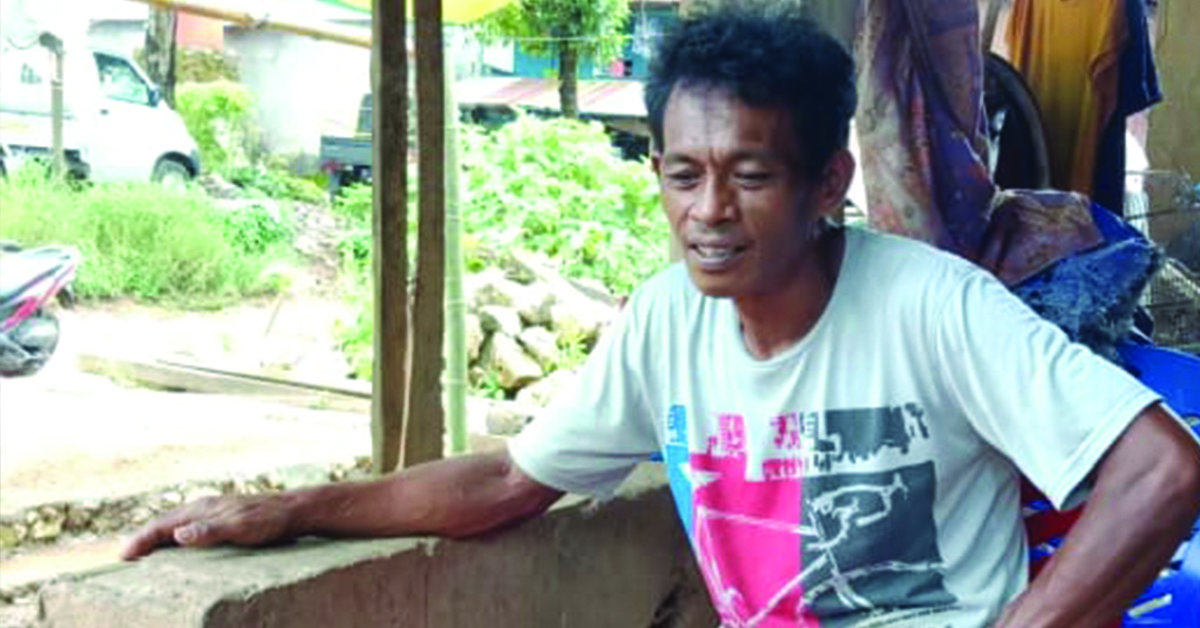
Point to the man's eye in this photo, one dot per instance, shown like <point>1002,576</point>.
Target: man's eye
<point>753,178</point>
<point>683,178</point>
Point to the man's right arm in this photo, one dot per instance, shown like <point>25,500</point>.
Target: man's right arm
<point>456,497</point>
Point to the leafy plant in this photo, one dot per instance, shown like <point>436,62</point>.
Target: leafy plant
<point>219,117</point>
<point>572,352</point>
<point>256,228</point>
<point>144,241</point>
<point>196,65</point>
<point>550,186</point>
<point>558,187</point>
<point>355,203</point>
<point>276,184</point>
<point>568,30</point>
<point>489,387</point>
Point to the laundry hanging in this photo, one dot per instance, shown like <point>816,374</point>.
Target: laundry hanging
<point>921,127</point>
<point>1069,52</point>
<point>1137,90</point>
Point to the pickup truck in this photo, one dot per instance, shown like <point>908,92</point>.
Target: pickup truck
<point>348,160</point>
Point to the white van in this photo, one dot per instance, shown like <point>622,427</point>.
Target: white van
<point>116,126</point>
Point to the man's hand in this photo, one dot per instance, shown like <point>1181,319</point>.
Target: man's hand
<point>237,520</point>
<point>456,497</point>
<point>1145,500</point>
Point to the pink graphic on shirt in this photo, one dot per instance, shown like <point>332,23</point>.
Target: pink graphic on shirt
<point>748,533</point>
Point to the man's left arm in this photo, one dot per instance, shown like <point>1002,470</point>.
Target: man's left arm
<point>1145,498</point>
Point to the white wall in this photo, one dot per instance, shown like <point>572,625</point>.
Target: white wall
<point>305,88</point>
<point>124,37</point>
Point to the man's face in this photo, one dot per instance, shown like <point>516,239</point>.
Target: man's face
<point>733,192</point>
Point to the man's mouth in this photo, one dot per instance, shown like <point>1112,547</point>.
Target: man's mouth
<point>717,257</point>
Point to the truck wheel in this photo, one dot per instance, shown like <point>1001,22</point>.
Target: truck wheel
<point>171,174</point>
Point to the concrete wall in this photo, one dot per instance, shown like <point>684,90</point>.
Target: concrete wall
<point>305,88</point>
<point>624,563</point>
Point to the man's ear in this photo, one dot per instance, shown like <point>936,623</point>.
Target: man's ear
<point>835,182</point>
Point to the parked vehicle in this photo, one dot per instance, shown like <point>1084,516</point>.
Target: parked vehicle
<point>116,126</point>
<point>29,280</point>
<point>348,160</point>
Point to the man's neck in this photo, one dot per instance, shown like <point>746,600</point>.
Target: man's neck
<point>773,322</point>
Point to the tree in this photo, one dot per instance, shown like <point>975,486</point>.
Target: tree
<point>569,30</point>
<point>159,51</point>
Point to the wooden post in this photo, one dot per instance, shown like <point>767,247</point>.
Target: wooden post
<point>425,420</point>
<point>389,74</point>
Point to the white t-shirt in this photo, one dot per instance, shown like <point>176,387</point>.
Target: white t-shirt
<point>866,476</point>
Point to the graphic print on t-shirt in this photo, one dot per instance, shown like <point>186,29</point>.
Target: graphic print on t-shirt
<point>810,515</point>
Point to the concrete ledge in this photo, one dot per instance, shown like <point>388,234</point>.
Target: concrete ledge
<point>623,563</point>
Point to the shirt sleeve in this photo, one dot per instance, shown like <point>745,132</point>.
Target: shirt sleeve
<point>1050,405</point>
<point>594,433</point>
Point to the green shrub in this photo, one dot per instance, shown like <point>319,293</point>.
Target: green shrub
<point>146,241</point>
<point>195,65</point>
<point>201,66</point>
<point>552,186</point>
<point>255,229</point>
<point>355,203</point>
<point>277,184</point>
<point>219,115</point>
<point>558,187</point>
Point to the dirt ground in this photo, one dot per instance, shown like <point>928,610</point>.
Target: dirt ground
<point>69,435</point>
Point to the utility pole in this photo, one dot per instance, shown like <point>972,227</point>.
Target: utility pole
<point>55,46</point>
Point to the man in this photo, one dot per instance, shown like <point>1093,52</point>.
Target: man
<point>843,414</point>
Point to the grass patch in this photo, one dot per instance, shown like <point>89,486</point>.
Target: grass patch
<point>148,242</point>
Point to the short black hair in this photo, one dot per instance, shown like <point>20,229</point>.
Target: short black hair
<point>767,56</point>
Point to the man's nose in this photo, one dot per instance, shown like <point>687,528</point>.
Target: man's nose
<point>715,204</point>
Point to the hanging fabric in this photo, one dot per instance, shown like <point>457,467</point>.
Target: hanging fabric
<point>1069,52</point>
<point>922,132</point>
<point>1137,90</point>
<point>920,121</point>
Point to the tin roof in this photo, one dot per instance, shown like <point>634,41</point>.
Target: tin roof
<point>615,98</point>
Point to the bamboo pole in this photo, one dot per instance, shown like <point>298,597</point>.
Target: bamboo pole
<point>249,21</point>
<point>456,311</point>
<point>389,75</point>
<point>425,419</point>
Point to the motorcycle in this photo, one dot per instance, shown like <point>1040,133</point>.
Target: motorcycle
<point>29,280</point>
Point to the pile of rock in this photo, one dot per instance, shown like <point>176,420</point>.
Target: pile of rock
<point>41,525</point>
<point>523,318</point>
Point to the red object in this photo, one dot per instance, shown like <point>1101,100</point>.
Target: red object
<point>193,31</point>
<point>1046,525</point>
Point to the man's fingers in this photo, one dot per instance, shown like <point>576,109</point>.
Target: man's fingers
<point>208,522</point>
<point>153,536</point>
